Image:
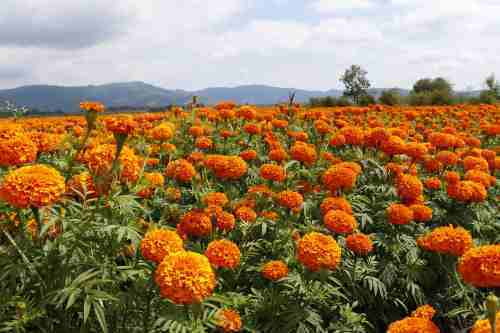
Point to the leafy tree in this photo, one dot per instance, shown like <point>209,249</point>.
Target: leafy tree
<point>390,97</point>
<point>366,100</point>
<point>492,93</point>
<point>436,91</point>
<point>355,82</point>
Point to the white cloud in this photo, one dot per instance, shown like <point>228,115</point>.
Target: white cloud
<point>339,5</point>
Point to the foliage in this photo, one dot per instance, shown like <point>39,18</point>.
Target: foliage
<point>355,82</point>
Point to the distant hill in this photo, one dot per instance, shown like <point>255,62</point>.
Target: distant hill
<point>140,94</point>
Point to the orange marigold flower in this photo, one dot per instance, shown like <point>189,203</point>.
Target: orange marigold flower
<point>483,325</point>
<point>248,155</point>
<point>269,215</point>
<point>180,170</point>
<point>223,254</point>
<point>337,140</point>
<point>409,187</point>
<point>353,135</point>
<point>451,177</point>
<point>196,131</point>
<point>185,278</point>
<point>274,270</point>
<point>246,214</point>
<point>480,177</point>
<point>252,128</point>
<point>339,177</point>
<point>478,163</point>
<point>195,223</point>
<point>81,184</point>
<point>160,243</point>
<point>120,124</point>
<point>480,266</point>
<point>447,157</point>
<point>338,203</point>
<point>203,142</point>
<point>272,172</point>
<point>467,191</point>
<point>303,152</point>
<point>359,243</point>
<point>413,325</point>
<point>399,214</point>
<point>32,186</point>
<point>290,199</point>
<point>421,213</point>
<point>215,199</point>
<point>229,321</point>
<point>432,165</point>
<point>447,240</point>
<point>340,222</point>
<point>442,140</point>
<point>317,251</point>
<point>278,155</point>
<point>416,150</point>
<point>92,106</point>
<point>393,146</point>
<point>424,311</point>
<point>226,167</point>
<point>153,180</point>
<point>432,183</point>
<point>225,221</point>
<point>260,189</point>
<point>99,160</point>
<point>162,132</point>
<point>19,149</point>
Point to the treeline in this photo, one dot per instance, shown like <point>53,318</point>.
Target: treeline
<point>427,91</point>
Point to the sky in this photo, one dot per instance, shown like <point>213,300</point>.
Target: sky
<point>194,44</point>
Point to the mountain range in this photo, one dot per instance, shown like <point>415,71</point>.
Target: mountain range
<point>49,98</point>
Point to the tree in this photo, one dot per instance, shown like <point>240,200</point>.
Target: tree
<point>492,93</point>
<point>355,82</point>
<point>436,91</point>
<point>390,97</point>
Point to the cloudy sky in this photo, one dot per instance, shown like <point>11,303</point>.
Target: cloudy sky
<point>192,44</point>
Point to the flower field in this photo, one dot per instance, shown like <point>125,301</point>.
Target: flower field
<point>252,219</point>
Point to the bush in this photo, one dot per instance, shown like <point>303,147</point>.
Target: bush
<point>390,97</point>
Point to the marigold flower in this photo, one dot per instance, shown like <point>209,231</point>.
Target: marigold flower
<point>246,214</point>
<point>478,163</point>
<point>226,167</point>
<point>99,160</point>
<point>399,214</point>
<point>195,223</point>
<point>153,180</point>
<point>278,155</point>
<point>359,243</point>
<point>451,177</point>
<point>447,157</point>
<point>393,146</point>
<point>290,199</point>
<point>340,222</point>
<point>480,266</point>
<point>480,177</point>
<point>223,254</point>
<point>269,215</point>
<point>180,170</point>
<point>160,243</point>
<point>225,221</point>
<point>203,142</point>
<point>339,177</point>
<point>416,150</point>
<point>92,106</point>
<point>303,152</point>
<point>19,149</point>
<point>317,251</point>
<point>274,270</point>
<point>484,326</point>
<point>338,203</point>
<point>421,213</point>
<point>337,140</point>
<point>32,186</point>
<point>120,124</point>
<point>248,155</point>
<point>413,325</point>
<point>424,311</point>
<point>409,187</point>
<point>162,132</point>
<point>467,191</point>
<point>353,135</point>
<point>447,240</point>
<point>185,278</point>
<point>272,172</point>
<point>215,199</point>
<point>173,194</point>
<point>432,183</point>
<point>82,183</point>
<point>229,320</point>
<point>196,131</point>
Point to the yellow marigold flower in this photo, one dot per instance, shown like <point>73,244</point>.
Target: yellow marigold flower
<point>272,172</point>
<point>274,270</point>
<point>480,266</point>
<point>215,199</point>
<point>185,278</point>
<point>19,149</point>
<point>160,243</point>
<point>223,254</point>
<point>180,170</point>
<point>448,240</point>
<point>340,222</point>
<point>317,251</point>
<point>399,214</point>
<point>162,132</point>
<point>32,186</point>
<point>195,223</point>
<point>484,326</point>
<point>290,199</point>
<point>359,243</point>
<point>229,320</point>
